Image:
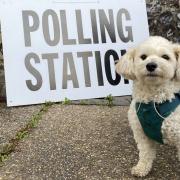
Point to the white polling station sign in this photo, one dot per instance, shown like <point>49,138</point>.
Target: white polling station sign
<point>57,49</point>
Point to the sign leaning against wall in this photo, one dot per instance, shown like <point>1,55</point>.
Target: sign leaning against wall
<point>55,49</point>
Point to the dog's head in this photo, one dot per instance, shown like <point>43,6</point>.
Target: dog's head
<point>154,61</point>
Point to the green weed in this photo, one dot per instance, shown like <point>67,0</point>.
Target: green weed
<point>109,98</point>
<point>66,101</point>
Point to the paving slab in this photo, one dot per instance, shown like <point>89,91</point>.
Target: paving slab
<point>84,143</point>
<point>13,119</point>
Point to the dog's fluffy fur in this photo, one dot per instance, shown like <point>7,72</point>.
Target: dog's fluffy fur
<point>158,86</point>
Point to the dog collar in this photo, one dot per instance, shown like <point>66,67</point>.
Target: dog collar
<point>152,115</point>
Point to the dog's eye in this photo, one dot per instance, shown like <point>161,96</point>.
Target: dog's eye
<point>143,57</point>
<point>166,57</point>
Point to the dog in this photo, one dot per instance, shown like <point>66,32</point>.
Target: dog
<point>154,113</point>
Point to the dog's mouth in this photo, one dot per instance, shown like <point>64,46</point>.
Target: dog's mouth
<point>152,75</point>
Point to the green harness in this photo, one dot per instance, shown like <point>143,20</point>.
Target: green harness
<point>152,115</point>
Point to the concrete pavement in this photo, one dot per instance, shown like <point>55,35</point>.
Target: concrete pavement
<point>12,120</point>
<point>83,143</point>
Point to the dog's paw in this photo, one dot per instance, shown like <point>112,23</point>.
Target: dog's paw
<point>140,170</point>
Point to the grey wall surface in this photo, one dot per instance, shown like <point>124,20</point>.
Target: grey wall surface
<point>164,20</point>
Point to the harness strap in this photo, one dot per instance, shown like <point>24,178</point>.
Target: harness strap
<point>158,112</point>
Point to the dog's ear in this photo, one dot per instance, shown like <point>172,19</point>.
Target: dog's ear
<point>177,53</point>
<point>125,65</point>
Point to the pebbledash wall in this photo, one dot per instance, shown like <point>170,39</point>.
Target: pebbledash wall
<point>164,20</point>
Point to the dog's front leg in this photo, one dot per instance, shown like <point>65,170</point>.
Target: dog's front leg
<point>146,147</point>
<point>147,154</point>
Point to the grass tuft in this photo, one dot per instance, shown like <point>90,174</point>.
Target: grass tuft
<point>109,98</point>
<point>21,135</point>
<point>66,101</point>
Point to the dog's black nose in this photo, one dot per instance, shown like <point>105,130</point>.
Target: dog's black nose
<point>151,66</point>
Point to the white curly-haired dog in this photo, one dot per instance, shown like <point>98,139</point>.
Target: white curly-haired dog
<point>154,114</point>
